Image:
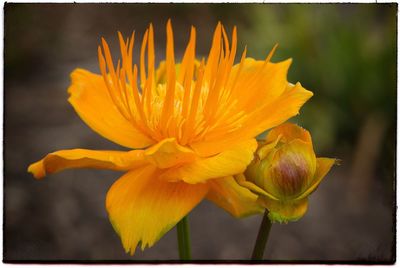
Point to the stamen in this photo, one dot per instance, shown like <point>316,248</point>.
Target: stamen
<point>194,104</point>
<point>116,101</point>
<point>212,61</point>
<point>109,62</point>
<point>142,58</point>
<point>135,91</point>
<point>126,71</point>
<point>226,41</point>
<point>167,110</point>
<point>215,89</point>
<point>188,72</point>
<point>130,53</point>
<point>119,86</point>
<point>186,56</point>
<point>122,81</point>
<point>150,69</point>
<point>231,61</point>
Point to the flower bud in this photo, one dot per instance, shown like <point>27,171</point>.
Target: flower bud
<point>285,171</point>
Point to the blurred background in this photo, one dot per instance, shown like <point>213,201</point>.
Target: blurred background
<point>344,53</point>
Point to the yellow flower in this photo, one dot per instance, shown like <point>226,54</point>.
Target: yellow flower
<point>284,172</point>
<point>195,121</point>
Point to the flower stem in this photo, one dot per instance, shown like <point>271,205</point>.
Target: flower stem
<point>183,239</point>
<point>262,238</point>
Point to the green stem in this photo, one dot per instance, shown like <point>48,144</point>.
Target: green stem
<point>262,238</point>
<point>183,239</point>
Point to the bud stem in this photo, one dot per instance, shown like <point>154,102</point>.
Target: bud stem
<point>183,239</point>
<point>262,237</point>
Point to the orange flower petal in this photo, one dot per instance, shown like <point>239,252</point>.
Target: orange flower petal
<point>289,132</point>
<point>267,81</point>
<point>263,118</point>
<point>90,99</point>
<point>284,107</point>
<point>168,153</point>
<point>229,162</point>
<point>213,147</point>
<point>143,208</point>
<point>81,158</point>
<point>235,199</point>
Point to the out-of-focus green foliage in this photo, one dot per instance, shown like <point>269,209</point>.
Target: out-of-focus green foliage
<point>344,53</point>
